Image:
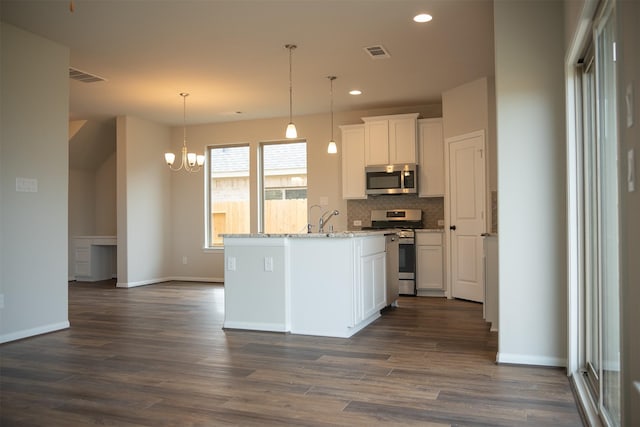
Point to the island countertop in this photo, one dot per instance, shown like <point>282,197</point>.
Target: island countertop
<point>335,234</point>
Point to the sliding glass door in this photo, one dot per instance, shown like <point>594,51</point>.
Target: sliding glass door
<point>600,262</point>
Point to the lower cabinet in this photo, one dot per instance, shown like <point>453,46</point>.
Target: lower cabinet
<point>429,264</point>
<point>373,283</point>
<point>320,284</point>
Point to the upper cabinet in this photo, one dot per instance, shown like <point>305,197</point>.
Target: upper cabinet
<point>431,148</point>
<point>390,139</point>
<point>353,184</point>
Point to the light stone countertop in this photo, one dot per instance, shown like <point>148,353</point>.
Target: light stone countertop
<point>335,234</point>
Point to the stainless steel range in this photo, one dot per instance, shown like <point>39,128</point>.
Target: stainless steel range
<point>405,221</point>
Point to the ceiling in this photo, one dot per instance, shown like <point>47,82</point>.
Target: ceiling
<point>230,55</point>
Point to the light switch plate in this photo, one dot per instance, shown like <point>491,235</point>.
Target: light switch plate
<point>628,98</point>
<point>357,223</point>
<point>27,185</point>
<point>631,171</point>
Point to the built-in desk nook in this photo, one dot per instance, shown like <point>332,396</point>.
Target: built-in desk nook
<point>95,257</point>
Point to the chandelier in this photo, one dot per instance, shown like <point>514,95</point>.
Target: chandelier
<point>191,162</point>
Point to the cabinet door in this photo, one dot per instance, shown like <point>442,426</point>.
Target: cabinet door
<point>377,142</point>
<point>353,177</point>
<point>402,140</point>
<point>429,268</point>
<point>373,283</point>
<point>431,142</point>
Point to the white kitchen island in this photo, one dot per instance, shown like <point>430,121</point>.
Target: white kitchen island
<point>326,284</point>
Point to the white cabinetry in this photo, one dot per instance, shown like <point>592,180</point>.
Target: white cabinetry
<point>372,284</point>
<point>431,148</point>
<point>319,284</point>
<point>94,257</point>
<point>353,179</point>
<point>390,139</point>
<point>429,264</point>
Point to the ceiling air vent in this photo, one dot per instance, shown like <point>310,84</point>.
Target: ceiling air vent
<point>377,52</point>
<point>83,76</point>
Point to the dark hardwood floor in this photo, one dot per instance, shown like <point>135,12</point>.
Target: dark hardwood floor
<point>157,356</point>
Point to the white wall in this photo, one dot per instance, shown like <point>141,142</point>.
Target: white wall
<point>531,181</point>
<point>82,218</point>
<point>143,202</point>
<point>33,225</point>
<point>105,198</point>
<point>324,178</point>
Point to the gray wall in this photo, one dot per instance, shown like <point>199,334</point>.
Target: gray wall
<point>33,225</point>
<point>531,181</point>
<point>143,202</point>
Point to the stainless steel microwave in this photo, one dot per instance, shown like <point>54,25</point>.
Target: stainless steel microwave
<point>392,179</point>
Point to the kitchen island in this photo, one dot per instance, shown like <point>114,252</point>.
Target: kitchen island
<point>326,284</point>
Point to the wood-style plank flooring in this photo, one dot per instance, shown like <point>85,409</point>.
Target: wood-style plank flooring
<point>157,356</point>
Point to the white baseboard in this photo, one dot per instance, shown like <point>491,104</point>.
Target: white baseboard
<point>13,336</point>
<point>198,279</point>
<point>527,359</point>
<point>169,279</point>
<point>142,282</point>
<point>255,326</point>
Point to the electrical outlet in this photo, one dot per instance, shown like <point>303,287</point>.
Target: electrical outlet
<point>231,263</point>
<point>357,223</point>
<point>441,223</point>
<point>268,263</point>
<point>324,201</point>
<point>184,260</point>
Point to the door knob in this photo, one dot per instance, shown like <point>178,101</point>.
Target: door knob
<point>453,227</point>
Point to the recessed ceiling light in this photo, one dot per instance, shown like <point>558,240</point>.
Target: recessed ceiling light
<point>423,17</point>
<point>355,92</point>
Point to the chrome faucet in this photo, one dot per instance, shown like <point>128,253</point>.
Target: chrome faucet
<point>309,217</point>
<point>323,221</point>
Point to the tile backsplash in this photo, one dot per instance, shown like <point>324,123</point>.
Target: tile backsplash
<point>432,208</point>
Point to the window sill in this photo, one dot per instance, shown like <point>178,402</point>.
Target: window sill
<point>213,249</point>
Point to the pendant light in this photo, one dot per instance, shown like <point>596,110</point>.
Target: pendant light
<point>332,148</point>
<point>291,132</point>
<point>191,162</point>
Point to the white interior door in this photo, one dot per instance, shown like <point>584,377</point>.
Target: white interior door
<point>467,206</point>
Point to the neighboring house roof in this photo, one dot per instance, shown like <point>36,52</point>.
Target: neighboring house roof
<point>279,159</point>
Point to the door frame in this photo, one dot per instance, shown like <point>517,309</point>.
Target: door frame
<point>447,199</point>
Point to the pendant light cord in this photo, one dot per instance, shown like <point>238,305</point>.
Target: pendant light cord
<point>331,79</point>
<point>184,118</point>
<point>290,47</point>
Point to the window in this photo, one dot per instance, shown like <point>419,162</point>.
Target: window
<point>284,187</point>
<point>229,195</point>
